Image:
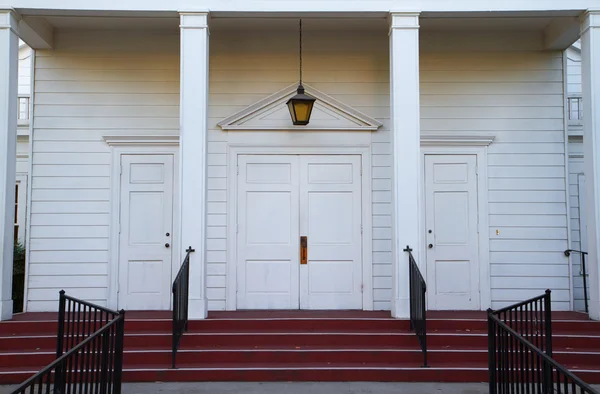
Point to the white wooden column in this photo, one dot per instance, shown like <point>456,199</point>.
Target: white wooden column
<point>193,129</point>
<point>590,60</point>
<point>404,96</point>
<point>9,55</point>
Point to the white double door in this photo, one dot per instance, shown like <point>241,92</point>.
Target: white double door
<point>146,228</point>
<point>451,216</point>
<point>282,198</point>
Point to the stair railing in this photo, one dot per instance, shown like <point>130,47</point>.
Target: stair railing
<point>92,361</point>
<point>532,319</point>
<point>418,310</point>
<point>77,320</point>
<point>181,291</point>
<point>583,274</point>
<point>516,365</point>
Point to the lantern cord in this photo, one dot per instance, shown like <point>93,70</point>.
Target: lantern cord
<point>300,51</point>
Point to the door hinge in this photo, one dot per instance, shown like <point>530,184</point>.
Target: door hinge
<point>120,169</point>
<point>361,228</point>
<point>119,227</point>
<point>237,169</point>
<point>361,169</point>
<point>118,287</point>
<point>237,228</point>
<point>362,287</point>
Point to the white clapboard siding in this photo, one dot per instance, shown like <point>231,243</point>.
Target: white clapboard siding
<point>92,84</point>
<point>246,67</point>
<point>518,98</point>
<point>98,83</point>
<point>576,175</point>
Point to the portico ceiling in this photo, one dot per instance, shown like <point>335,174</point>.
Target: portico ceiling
<point>559,31</point>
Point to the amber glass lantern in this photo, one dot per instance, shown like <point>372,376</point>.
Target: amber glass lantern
<point>301,104</point>
<point>300,107</point>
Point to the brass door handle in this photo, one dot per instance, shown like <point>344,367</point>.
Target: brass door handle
<point>304,249</point>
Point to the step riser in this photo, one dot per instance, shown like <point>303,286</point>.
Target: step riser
<point>250,358</point>
<point>249,340</point>
<point>298,325</point>
<point>419,375</point>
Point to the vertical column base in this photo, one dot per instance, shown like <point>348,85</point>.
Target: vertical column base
<point>401,308</point>
<point>198,309</point>
<point>6,310</point>
<point>594,312</point>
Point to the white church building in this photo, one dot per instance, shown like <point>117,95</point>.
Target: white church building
<point>444,126</point>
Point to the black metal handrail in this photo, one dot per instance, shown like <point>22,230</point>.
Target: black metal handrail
<point>181,287</point>
<point>77,320</point>
<point>94,365</point>
<point>532,319</point>
<point>518,366</point>
<point>418,289</point>
<point>583,274</point>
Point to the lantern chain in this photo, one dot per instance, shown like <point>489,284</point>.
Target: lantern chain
<point>300,51</point>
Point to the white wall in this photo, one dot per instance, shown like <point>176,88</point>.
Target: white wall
<point>24,86</point>
<point>99,83</point>
<point>92,84</point>
<point>516,96</point>
<point>246,66</point>
<point>576,174</point>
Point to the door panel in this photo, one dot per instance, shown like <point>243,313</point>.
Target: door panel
<point>281,198</point>
<point>330,216</point>
<point>146,217</point>
<point>268,256</point>
<point>452,219</point>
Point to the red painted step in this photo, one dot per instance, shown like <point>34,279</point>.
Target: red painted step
<point>299,346</point>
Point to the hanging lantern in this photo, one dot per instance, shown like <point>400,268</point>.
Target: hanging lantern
<point>301,104</point>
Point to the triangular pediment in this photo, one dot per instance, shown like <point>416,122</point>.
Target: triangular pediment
<point>272,113</point>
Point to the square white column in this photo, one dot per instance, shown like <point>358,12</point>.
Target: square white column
<point>405,114</point>
<point>590,61</point>
<point>9,55</point>
<point>193,140</point>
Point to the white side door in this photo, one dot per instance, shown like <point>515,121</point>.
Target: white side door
<point>451,215</point>
<point>146,228</point>
<point>267,242</point>
<point>330,217</point>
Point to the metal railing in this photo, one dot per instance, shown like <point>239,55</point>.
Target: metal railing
<point>77,320</point>
<point>181,286</point>
<point>532,319</point>
<point>583,274</point>
<point>518,366</point>
<point>94,365</point>
<point>418,289</point>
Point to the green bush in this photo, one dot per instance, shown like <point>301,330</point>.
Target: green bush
<point>18,289</point>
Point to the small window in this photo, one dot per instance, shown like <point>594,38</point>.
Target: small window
<point>23,108</point>
<point>575,108</point>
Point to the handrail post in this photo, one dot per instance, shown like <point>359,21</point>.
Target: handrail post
<point>104,362</point>
<point>174,326</point>
<point>61,324</point>
<point>548,322</point>
<point>491,353</point>
<point>118,364</point>
<point>585,293</point>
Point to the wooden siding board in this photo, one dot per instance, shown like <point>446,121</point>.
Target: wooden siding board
<point>93,85</point>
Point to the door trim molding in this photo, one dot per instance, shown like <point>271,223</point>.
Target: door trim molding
<point>115,208</point>
<point>483,211</point>
<point>233,151</point>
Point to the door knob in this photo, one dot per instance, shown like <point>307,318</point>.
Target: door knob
<point>430,231</point>
<point>167,245</point>
<point>430,246</point>
<point>167,234</point>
